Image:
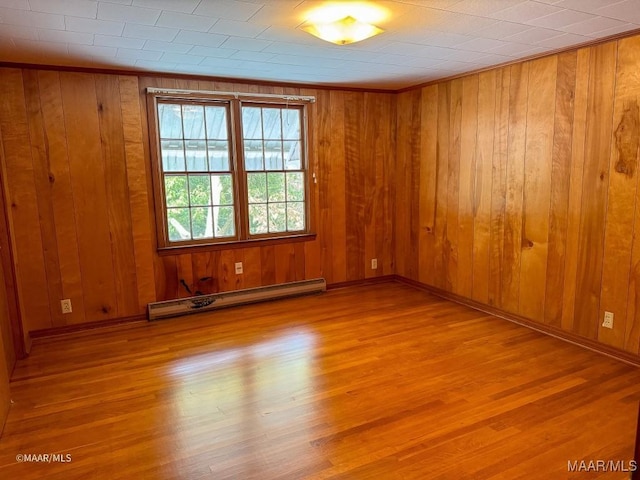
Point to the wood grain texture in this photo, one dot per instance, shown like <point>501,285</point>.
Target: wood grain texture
<point>594,189</point>
<point>537,186</point>
<point>552,189</point>
<point>467,184</point>
<point>278,390</point>
<point>483,185</point>
<point>428,185</point>
<point>622,195</point>
<point>499,186</point>
<point>83,200</point>
<point>560,185</point>
<point>512,252</point>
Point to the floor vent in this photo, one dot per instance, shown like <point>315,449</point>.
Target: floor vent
<point>203,303</point>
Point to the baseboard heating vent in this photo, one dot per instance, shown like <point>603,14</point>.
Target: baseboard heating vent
<point>203,303</point>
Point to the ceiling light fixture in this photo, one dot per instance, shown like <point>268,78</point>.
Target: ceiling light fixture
<point>344,31</point>
<point>344,22</point>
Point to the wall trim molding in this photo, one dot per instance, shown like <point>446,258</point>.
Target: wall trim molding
<point>362,282</point>
<point>79,327</point>
<point>550,330</point>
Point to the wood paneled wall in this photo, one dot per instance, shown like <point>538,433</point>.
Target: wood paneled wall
<point>77,161</point>
<point>518,188</point>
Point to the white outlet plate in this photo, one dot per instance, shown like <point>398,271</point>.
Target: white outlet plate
<point>65,305</point>
<point>374,264</point>
<point>608,320</point>
<point>239,268</point>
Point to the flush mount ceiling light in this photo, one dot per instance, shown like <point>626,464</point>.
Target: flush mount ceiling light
<point>344,23</point>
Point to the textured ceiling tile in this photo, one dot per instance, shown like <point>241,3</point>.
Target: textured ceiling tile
<point>180,58</point>
<point>533,35</point>
<point>77,8</point>
<point>594,25</point>
<point>123,13</point>
<point>238,29</point>
<point>134,53</point>
<point>182,21</point>
<point>117,41</point>
<point>184,6</point>
<point>564,41</point>
<point>62,36</point>
<point>166,46</point>
<point>561,19</point>
<point>241,43</point>
<point>199,38</point>
<point>88,25</point>
<point>149,33</point>
<point>229,9</point>
<point>526,11</point>
<point>31,19</point>
<point>628,11</point>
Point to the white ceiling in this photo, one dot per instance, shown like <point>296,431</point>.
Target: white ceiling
<point>260,39</point>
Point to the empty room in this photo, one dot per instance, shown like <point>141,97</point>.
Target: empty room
<point>296,239</point>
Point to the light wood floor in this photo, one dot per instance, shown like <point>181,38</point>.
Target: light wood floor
<point>375,382</point>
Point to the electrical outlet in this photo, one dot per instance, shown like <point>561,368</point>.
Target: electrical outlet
<point>608,320</point>
<point>238,268</point>
<point>374,264</point>
<point>65,305</point>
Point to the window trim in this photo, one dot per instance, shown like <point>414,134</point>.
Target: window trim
<point>233,103</point>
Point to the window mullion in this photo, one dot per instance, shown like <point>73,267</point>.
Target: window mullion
<point>239,174</point>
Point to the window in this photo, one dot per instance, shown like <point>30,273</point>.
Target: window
<point>228,169</point>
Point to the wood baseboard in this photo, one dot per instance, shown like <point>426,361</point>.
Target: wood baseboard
<point>364,281</point>
<point>556,332</point>
<point>52,332</point>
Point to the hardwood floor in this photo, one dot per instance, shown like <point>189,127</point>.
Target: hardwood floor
<point>379,381</point>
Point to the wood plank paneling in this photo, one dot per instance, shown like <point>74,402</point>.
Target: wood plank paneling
<point>83,204</point>
<point>537,186</point>
<point>466,184</point>
<point>23,203</point>
<point>594,189</point>
<point>575,188</point>
<point>512,250</point>
<point>552,189</point>
<point>622,195</point>
<point>428,185</point>
<point>560,184</point>
<point>499,186</point>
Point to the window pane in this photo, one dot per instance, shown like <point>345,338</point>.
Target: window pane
<point>175,190</point>
<point>257,187</point>
<point>258,219</point>
<point>277,217</point>
<point>222,188</point>
<point>170,121</point>
<point>273,155</point>
<point>291,124</point>
<point>272,125</point>
<point>179,226</point>
<point>172,152</point>
<point>253,155</point>
<point>193,121</point>
<point>199,190</point>
<point>291,151</point>
<point>201,222</point>
<point>218,155</point>
<point>295,186</point>
<point>275,184</point>
<point>224,222</point>
<point>251,122</point>
<point>295,216</point>
<point>216,123</point>
<point>196,155</point>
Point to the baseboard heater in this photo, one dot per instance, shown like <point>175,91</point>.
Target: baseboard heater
<point>204,303</point>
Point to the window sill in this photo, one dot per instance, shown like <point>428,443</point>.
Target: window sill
<point>210,247</point>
